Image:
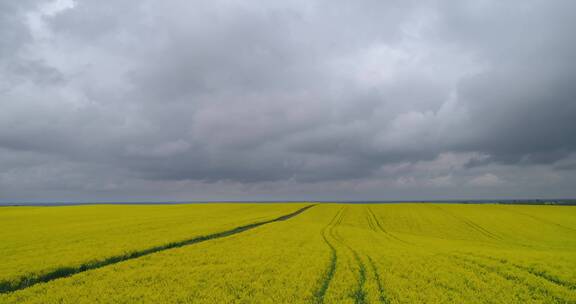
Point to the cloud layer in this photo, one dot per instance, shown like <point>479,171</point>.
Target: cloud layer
<point>149,100</point>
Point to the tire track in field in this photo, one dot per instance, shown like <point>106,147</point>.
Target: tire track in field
<point>329,274</point>
<point>359,294</point>
<point>63,272</point>
<point>511,277</point>
<point>371,223</point>
<point>538,273</point>
<point>381,293</point>
<point>471,224</point>
<point>377,223</point>
<point>539,219</point>
<point>373,226</point>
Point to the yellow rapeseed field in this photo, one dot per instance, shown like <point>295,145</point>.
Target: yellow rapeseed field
<point>329,253</point>
<point>38,240</point>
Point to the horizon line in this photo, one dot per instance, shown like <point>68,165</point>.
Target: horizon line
<point>373,201</point>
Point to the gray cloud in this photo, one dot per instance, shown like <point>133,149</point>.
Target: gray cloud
<point>105,100</point>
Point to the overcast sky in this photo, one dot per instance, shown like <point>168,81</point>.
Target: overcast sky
<point>108,100</point>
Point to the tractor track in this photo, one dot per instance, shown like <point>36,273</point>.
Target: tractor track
<point>516,278</point>
<point>63,272</point>
<point>329,274</point>
<point>359,294</point>
<point>382,294</point>
<point>472,225</point>
<point>538,273</point>
<point>376,223</point>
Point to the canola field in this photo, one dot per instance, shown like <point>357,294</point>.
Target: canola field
<point>289,253</point>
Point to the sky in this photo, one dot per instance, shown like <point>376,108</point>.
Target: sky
<point>117,100</point>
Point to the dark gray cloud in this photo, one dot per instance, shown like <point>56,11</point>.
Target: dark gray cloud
<point>105,100</point>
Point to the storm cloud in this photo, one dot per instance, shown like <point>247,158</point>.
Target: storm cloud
<point>234,100</point>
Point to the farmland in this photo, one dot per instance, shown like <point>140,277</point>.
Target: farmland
<point>48,239</point>
<point>283,253</point>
